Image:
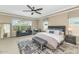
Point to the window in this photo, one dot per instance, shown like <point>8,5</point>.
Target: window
<point>74,21</point>
<point>74,25</point>
<point>21,24</point>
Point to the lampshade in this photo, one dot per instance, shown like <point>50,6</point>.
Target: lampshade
<point>70,29</point>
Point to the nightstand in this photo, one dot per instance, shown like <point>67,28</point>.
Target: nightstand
<point>70,39</point>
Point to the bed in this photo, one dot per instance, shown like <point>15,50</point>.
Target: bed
<point>54,36</point>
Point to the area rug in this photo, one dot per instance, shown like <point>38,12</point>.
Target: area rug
<point>65,48</point>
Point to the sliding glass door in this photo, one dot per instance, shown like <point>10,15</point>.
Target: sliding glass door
<point>21,26</point>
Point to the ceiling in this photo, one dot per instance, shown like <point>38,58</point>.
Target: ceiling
<point>47,9</point>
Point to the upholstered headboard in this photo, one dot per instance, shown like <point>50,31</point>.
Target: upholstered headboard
<point>58,28</point>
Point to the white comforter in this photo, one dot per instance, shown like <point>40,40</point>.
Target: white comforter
<point>53,39</point>
<point>59,38</point>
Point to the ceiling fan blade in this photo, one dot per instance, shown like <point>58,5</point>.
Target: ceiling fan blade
<point>29,7</point>
<point>32,13</point>
<point>26,10</point>
<point>39,9</point>
<point>33,8</point>
<point>38,12</point>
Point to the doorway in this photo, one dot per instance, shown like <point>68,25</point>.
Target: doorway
<point>4,31</point>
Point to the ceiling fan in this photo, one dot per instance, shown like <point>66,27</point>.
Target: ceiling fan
<point>33,10</point>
